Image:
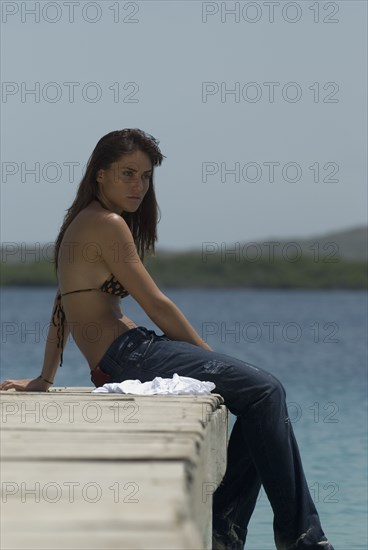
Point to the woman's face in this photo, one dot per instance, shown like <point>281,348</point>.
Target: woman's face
<point>122,187</point>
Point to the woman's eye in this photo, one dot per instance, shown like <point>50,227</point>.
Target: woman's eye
<point>129,174</point>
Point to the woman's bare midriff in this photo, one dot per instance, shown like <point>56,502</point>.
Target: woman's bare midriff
<point>93,338</point>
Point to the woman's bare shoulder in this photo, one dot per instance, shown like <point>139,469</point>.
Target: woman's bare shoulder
<point>94,219</point>
<point>85,242</point>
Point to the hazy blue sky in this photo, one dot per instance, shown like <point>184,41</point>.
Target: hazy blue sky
<point>169,68</point>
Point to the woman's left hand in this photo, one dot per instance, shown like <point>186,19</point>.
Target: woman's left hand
<point>37,384</point>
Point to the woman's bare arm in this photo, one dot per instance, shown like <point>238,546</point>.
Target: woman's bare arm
<point>52,353</point>
<point>50,362</point>
<point>120,255</point>
<point>166,315</point>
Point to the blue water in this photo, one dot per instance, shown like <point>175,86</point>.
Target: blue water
<point>315,342</point>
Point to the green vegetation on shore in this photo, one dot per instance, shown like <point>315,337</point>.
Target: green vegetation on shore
<point>336,260</point>
<point>191,269</point>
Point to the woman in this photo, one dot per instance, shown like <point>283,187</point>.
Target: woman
<point>99,257</point>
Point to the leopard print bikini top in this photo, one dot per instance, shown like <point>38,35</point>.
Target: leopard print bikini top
<point>111,286</point>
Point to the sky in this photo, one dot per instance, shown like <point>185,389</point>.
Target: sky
<point>260,109</point>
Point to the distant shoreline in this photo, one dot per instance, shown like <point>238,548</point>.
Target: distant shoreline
<point>336,260</point>
<point>190,271</point>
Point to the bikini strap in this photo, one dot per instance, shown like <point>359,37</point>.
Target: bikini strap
<point>81,290</point>
<point>60,315</point>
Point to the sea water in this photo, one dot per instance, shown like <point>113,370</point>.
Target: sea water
<point>315,342</point>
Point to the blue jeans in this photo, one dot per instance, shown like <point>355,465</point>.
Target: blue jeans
<point>262,449</point>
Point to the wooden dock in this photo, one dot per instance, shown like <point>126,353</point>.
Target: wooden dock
<point>109,471</point>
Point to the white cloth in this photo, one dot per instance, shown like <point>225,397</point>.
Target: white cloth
<point>173,386</point>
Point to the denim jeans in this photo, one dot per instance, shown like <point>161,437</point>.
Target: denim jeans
<point>262,449</point>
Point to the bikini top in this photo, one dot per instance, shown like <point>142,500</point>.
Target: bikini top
<point>111,286</point>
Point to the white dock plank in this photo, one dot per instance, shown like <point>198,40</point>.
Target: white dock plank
<point>146,458</point>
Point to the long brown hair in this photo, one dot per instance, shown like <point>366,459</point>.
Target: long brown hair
<point>109,149</point>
